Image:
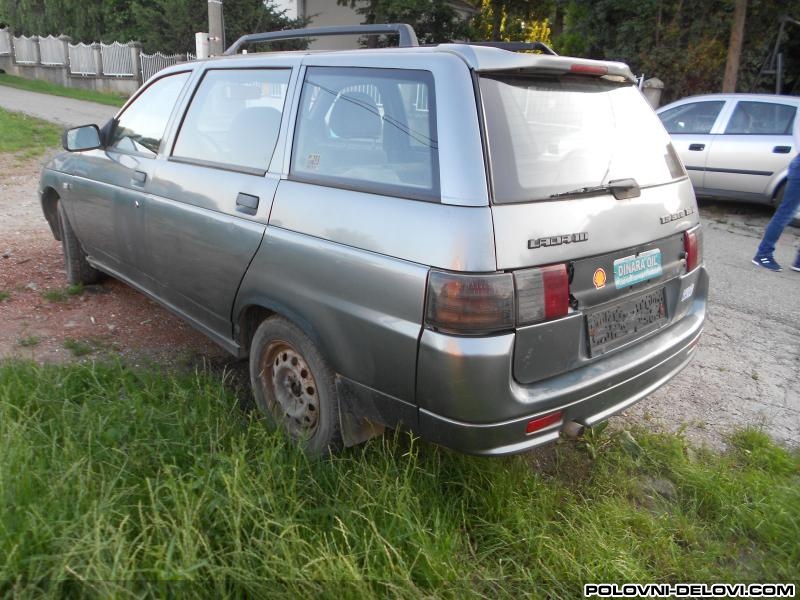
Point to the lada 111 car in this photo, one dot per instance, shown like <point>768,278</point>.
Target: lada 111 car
<point>484,246</point>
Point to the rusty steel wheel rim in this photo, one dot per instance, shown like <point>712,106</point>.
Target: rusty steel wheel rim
<point>290,389</point>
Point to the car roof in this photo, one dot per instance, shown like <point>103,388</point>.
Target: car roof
<point>780,99</point>
<point>478,58</point>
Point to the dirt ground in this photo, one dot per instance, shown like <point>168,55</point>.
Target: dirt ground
<point>745,372</point>
<point>41,320</point>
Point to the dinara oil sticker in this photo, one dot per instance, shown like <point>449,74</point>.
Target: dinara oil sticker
<point>631,270</point>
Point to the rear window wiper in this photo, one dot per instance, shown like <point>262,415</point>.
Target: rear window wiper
<point>620,188</point>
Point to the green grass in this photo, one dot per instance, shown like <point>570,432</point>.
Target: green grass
<point>29,341</point>
<point>25,136</point>
<point>111,478</point>
<point>4,296</point>
<point>45,87</point>
<point>57,295</point>
<point>77,347</point>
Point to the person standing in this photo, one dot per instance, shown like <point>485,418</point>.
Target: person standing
<point>784,213</point>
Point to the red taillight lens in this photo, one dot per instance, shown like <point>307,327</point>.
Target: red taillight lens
<point>693,248</point>
<point>588,69</point>
<point>539,423</point>
<point>542,294</point>
<point>470,303</point>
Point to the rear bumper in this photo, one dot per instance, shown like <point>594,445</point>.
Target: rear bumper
<point>470,401</point>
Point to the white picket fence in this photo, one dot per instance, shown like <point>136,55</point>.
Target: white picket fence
<point>25,50</point>
<point>117,60</point>
<point>81,60</point>
<point>52,51</point>
<point>153,63</point>
<point>5,42</point>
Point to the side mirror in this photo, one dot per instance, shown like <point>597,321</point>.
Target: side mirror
<point>79,139</point>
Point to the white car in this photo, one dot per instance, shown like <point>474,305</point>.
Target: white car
<point>735,146</point>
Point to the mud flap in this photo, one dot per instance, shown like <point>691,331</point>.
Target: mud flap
<point>356,428</point>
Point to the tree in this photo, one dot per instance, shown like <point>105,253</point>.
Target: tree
<point>735,47</point>
<point>435,21</point>
<point>164,25</point>
<point>513,20</point>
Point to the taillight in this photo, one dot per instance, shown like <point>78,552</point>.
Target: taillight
<point>470,303</point>
<point>588,69</point>
<point>542,294</point>
<point>693,248</point>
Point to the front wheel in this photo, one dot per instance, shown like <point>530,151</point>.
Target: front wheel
<point>78,269</point>
<point>294,387</point>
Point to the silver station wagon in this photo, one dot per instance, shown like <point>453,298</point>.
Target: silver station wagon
<point>484,246</point>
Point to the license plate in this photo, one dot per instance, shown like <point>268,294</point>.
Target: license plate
<point>625,321</point>
<point>637,268</point>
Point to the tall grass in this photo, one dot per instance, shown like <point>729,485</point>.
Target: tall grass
<point>129,483</point>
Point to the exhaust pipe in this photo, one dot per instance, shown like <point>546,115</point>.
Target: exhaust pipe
<point>572,430</point>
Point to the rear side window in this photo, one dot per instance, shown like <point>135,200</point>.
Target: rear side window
<point>371,130</point>
<point>141,127</point>
<point>761,118</point>
<point>696,118</point>
<point>234,119</point>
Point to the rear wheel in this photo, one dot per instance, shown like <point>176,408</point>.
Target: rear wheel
<point>294,387</point>
<point>78,269</point>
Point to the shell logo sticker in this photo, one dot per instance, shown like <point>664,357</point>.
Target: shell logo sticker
<point>599,278</point>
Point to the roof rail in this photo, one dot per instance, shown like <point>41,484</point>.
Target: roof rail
<point>408,37</point>
<point>517,46</point>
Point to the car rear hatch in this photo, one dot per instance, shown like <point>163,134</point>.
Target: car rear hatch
<point>586,183</point>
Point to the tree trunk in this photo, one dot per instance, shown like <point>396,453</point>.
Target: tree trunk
<point>558,21</point>
<point>735,47</point>
<point>497,19</point>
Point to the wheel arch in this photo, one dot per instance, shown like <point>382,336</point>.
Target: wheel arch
<point>250,313</point>
<point>50,199</point>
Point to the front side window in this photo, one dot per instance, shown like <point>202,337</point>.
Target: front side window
<point>141,127</point>
<point>368,129</point>
<point>761,118</point>
<point>696,118</point>
<point>234,118</point>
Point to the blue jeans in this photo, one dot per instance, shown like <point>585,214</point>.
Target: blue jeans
<point>784,213</point>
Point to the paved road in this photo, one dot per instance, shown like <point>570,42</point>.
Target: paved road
<point>64,111</point>
<point>747,369</point>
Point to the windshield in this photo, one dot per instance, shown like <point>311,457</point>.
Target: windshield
<point>558,133</point>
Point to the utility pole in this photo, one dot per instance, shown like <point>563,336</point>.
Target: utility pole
<point>735,47</point>
<point>216,28</point>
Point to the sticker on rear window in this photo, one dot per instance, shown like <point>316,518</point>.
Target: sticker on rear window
<point>634,269</point>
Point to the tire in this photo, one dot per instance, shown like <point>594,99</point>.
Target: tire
<point>294,387</point>
<point>78,269</point>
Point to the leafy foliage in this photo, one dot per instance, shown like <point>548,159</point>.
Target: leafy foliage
<point>677,41</point>
<point>433,20</point>
<point>165,25</point>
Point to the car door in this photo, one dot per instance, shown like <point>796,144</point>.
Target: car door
<point>690,126</point>
<point>756,144</point>
<point>209,201</point>
<point>107,210</point>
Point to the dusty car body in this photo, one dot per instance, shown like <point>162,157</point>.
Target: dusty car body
<point>364,225</point>
<point>735,146</point>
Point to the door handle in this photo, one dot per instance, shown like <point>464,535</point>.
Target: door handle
<point>139,177</point>
<point>697,147</point>
<point>782,149</point>
<point>247,204</point>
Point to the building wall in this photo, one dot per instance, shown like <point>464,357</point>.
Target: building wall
<point>327,13</point>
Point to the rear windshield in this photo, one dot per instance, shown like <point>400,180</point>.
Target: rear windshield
<point>552,134</point>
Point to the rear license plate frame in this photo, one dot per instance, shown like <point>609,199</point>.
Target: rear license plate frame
<point>626,320</point>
